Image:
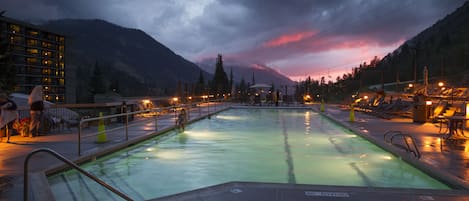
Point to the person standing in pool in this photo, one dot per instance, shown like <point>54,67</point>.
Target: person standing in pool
<point>181,121</point>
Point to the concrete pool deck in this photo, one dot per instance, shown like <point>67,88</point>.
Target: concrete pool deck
<point>450,158</point>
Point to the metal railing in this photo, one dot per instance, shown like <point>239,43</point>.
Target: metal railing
<point>390,133</point>
<point>69,163</point>
<point>407,139</point>
<point>211,107</point>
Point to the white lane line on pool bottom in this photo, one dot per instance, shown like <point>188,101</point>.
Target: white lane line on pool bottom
<point>289,160</point>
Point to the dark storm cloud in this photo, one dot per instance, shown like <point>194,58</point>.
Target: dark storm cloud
<point>244,28</point>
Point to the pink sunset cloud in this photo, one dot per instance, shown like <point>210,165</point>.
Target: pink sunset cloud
<point>306,53</point>
<point>289,38</point>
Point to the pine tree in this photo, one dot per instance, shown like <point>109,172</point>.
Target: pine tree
<point>231,78</point>
<point>114,86</point>
<point>200,87</point>
<point>253,79</point>
<point>220,79</point>
<point>97,81</point>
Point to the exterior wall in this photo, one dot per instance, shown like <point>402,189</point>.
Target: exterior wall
<point>38,56</point>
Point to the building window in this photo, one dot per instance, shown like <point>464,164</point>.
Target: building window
<point>33,51</point>
<point>46,71</point>
<point>47,62</point>
<point>46,80</point>
<point>31,61</point>
<point>47,53</point>
<point>61,82</point>
<point>18,49</point>
<point>16,39</point>
<point>33,33</point>
<point>15,28</point>
<point>52,37</point>
<point>32,42</point>
<point>46,45</point>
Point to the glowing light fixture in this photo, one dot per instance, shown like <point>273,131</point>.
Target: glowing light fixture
<point>440,84</point>
<point>428,102</point>
<point>467,114</point>
<point>365,97</point>
<point>146,101</point>
<point>411,85</point>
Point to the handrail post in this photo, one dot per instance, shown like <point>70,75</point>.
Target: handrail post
<point>156,122</point>
<point>407,143</point>
<point>126,126</point>
<point>79,137</point>
<point>175,115</point>
<point>71,164</point>
<point>200,110</point>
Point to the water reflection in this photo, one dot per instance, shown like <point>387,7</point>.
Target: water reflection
<point>307,122</point>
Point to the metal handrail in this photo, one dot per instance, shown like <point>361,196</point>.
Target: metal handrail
<point>126,115</point>
<point>408,138</point>
<point>71,164</point>
<point>390,132</point>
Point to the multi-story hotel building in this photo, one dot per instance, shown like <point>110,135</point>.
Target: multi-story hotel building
<point>38,57</point>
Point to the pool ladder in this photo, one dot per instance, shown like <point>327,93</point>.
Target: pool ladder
<point>69,163</point>
<point>408,140</point>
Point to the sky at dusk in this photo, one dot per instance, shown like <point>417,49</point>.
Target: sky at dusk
<point>296,37</point>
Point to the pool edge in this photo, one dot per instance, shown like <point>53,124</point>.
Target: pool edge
<point>90,156</point>
<point>442,176</point>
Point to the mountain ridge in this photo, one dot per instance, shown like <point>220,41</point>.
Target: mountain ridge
<point>243,70</point>
<point>140,64</point>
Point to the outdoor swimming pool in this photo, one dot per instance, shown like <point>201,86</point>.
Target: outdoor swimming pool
<point>262,145</point>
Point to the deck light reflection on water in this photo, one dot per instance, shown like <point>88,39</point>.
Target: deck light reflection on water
<point>169,154</point>
<point>307,122</point>
<point>225,117</point>
<point>387,157</point>
<point>200,135</point>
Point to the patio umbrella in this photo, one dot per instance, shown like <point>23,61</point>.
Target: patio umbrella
<point>36,94</point>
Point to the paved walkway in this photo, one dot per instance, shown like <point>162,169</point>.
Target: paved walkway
<point>451,157</point>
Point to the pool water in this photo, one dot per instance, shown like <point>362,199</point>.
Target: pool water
<point>261,145</point>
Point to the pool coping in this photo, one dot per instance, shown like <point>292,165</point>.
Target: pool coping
<point>234,191</point>
<point>457,184</point>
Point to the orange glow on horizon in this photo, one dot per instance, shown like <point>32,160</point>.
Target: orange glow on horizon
<point>289,38</point>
